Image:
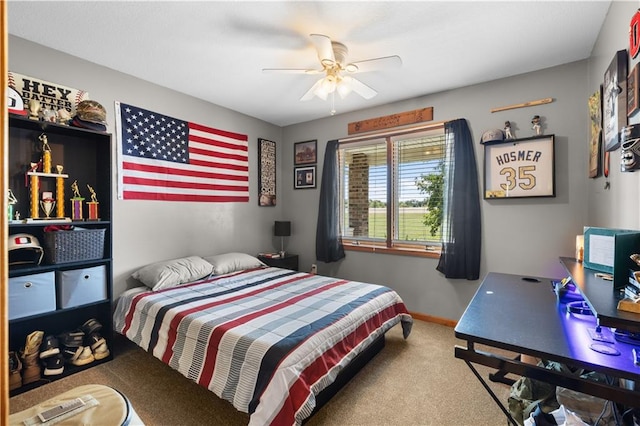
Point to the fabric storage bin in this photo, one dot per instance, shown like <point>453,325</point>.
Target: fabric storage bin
<point>81,286</point>
<point>31,295</point>
<point>73,246</point>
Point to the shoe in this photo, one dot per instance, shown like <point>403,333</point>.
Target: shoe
<point>15,379</point>
<point>49,347</point>
<point>101,352</point>
<point>29,355</point>
<point>71,339</point>
<point>91,326</point>
<point>31,369</point>
<point>54,365</point>
<point>83,356</point>
<point>32,345</point>
<point>71,354</point>
<point>95,340</point>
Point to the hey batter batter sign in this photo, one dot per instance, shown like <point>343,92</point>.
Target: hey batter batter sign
<point>520,168</point>
<point>51,96</point>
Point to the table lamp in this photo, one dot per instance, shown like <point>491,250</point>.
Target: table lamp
<point>282,229</point>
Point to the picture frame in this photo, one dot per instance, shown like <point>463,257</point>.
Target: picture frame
<point>520,168</point>
<point>614,101</point>
<point>633,84</point>
<point>595,133</point>
<point>305,152</point>
<point>266,173</point>
<point>304,177</point>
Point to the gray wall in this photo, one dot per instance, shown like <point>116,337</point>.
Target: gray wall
<point>617,207</point>
<point>521,236</point>
<point>149,231</point>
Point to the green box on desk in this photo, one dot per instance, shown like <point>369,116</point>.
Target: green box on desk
<point>609,250</point>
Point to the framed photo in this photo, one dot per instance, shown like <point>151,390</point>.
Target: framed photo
<point>520,168</point>
<point>266,173</point>
<point>305,152</point>
<point>595,133</point>
<point>305,177</point>
<point>614,101</point>
<point>633,81</point>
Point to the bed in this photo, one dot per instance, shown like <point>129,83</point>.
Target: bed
<point>268,340</point>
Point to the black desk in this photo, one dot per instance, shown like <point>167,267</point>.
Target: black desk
<point>525,317</point>
<point>601,296</point>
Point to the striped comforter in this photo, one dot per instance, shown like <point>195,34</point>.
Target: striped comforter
<point>267,339</point>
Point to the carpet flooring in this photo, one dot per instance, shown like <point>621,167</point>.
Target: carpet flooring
<point>417,381</point>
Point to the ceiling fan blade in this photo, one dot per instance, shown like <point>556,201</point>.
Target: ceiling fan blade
<point>324,48</point>
<point>375,64</point>
<point>311,92</point>
<point>292,71</point>
<point>362,89</point>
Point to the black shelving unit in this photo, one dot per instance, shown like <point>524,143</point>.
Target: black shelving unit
<point>86,158</point>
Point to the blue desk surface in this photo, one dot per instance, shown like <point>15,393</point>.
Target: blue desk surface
<point>526,317</point>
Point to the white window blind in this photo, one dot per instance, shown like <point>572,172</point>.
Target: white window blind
<point>418,166</point>
<point>391,186</point>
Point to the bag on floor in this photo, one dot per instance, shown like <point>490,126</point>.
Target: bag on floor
<point>589,408</point>
<point>561,417</point>
<point>526,394</point>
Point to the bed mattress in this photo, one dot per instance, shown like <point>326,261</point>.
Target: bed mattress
<point>267,339</point>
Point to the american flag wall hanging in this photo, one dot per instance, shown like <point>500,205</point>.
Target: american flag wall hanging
<point>164,158</point>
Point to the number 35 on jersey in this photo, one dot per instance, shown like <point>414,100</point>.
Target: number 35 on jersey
<point>520,168</point>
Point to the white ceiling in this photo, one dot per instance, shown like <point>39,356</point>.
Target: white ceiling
<point>216,50</point>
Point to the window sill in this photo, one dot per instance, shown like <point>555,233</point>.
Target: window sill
<point>435,254</point>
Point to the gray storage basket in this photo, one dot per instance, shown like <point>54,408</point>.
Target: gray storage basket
<point>73,246</point>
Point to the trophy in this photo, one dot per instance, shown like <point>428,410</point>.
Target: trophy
<point>34,109</point>
<point>76,202</point>
<point>46,154</point>
<point>47,203</point>
<point>34,188</point>
<point>60,191</point>
<point>11,201</point>
<point>93,204</point>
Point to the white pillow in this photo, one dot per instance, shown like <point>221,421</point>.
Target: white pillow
<point>171,273</point>
<point>231,262</point>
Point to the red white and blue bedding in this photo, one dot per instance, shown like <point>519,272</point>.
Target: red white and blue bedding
<point>266,339</point>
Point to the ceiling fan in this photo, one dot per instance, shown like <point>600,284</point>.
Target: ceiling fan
<point>333,59</point>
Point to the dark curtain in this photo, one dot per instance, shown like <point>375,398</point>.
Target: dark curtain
<point>461,226</point>
<point>328,242</point>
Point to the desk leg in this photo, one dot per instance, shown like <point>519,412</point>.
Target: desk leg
<point>493,395</point>
<point>500,375</point>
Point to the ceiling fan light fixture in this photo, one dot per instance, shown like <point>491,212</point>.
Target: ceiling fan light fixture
<point>322,94</point>
<point>333,58</point>
<point>327,86</point>
<point>344,87</point>
<point>323,88</point>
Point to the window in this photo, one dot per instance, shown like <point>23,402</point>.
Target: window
<point>392,192</point>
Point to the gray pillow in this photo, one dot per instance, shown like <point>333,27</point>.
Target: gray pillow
<point>171,273</point>
<point>231,262</point>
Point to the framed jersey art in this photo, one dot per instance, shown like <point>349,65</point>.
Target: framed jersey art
<point>520,168</point>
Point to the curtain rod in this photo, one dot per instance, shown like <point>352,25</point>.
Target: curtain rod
<point>393,132</point>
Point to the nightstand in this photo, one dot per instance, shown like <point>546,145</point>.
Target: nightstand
<point>289,261</point>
